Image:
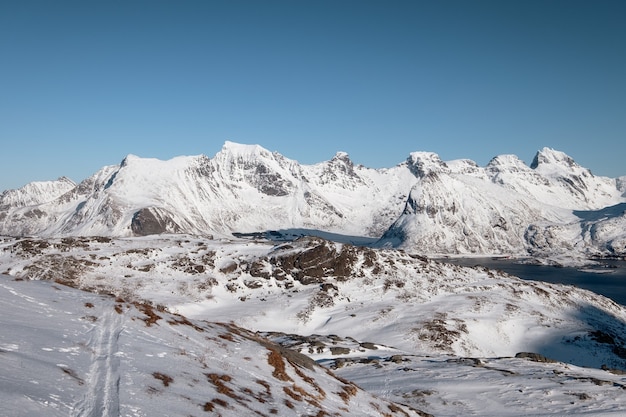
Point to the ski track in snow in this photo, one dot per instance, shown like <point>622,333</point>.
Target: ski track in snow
<point>102,396</point>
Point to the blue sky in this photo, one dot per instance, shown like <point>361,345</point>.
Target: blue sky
<point>84,83</point>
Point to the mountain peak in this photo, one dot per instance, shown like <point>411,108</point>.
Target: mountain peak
<point>128,159</point>
<point>36,192</point>
<point>424,163</point>
<point>342,157</point>
<point>507,162</point>
<point>243,149</point>
<point>549,156</point>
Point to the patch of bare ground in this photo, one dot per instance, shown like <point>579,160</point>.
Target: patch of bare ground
<point>210,406</point>
<point>147,309</point>
<point>182,320</point>
<point>321,394</point>
<point>262,396</point>
<point>165,379</point>
<point>275,360</point>
<point>441,333</point>
<point>220,381</point>
<point>347,391</point>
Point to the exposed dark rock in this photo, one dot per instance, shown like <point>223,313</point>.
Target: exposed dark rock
<point>535,357</point>
<point>152,221</point>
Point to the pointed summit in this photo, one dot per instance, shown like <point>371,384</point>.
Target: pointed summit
<point>549,156</point>
<point>343,156</point>
<point>507,161</point>
<point>425,163</point>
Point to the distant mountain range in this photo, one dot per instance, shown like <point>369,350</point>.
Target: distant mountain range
<point>550,208</point>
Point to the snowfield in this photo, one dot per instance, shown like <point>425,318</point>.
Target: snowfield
<point>421,334</point>
<point>66,352</point>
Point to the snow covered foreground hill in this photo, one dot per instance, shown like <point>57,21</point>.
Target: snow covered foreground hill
<point>439,338</point>
<point>424,204</point>
<point>66,352</point>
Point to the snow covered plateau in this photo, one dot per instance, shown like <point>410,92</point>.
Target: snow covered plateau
<point>248,284</point>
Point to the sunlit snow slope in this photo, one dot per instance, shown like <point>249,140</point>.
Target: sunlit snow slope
<point>64,352</point>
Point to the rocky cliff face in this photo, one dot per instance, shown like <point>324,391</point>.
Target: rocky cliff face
<point>423,204</point>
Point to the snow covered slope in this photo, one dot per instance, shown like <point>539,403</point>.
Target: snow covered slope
<point>440,338</point>
<point>424,203</point>
<point>65,352</point>
<point>35,193</point>
<point>316,286</point>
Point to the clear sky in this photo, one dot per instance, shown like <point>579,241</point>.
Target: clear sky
<point>84,83</point>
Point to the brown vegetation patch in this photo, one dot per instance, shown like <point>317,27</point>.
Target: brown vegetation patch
<point>226,336</point>
<point>165,379</point>
<point>220,384</point>
<point>181,320</point>
<point>292,394</point>
<point>275,359</point>
<point>265,385</point>
<point>347,391</point>
<point>220,402</point>
<point>395,409</point>
<point>147,309</point>
<point>311,381</point>
<point>261,396</point>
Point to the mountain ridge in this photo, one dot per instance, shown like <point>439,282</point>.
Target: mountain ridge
<point>423,204</point>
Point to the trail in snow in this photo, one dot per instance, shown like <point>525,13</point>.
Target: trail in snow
<point>102,396</point>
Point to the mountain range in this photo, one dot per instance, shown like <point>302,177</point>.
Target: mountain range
<point>217,286</point>
<point>550,208</point>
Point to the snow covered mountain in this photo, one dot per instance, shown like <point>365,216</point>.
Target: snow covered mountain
<point>36,193</point>
<point>146,338</point>
<point>507,207</point>
<point>243,188</point>
<point>423,204</point>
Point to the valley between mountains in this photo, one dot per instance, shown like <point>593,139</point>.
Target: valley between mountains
<point>248,284</point>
